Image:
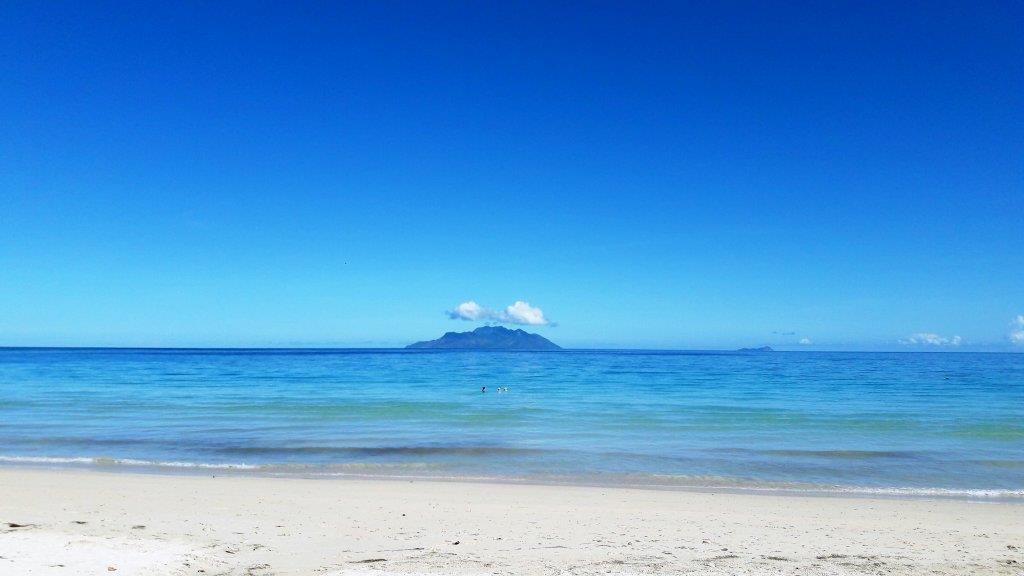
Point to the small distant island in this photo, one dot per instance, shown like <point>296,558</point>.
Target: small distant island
<point>489,338</point>
<point>761,349</point>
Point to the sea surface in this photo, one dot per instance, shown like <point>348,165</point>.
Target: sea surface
<point>900,423</point>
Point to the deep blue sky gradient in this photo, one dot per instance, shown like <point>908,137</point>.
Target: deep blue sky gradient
<point>680,175</point>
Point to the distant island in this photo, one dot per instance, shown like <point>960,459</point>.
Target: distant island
<point>761,349</point>
<point>489,338</point>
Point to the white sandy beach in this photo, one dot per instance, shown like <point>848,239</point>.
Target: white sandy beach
<point>64,522</point>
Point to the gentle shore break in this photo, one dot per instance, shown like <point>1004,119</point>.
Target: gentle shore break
<point>86,522</point>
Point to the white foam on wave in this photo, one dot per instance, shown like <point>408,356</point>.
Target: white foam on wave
<point>358,470</point>
<point>45,460</point>
<point>124,462</point>
<point>910,491</point>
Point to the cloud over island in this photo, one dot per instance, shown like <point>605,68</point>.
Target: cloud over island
<point>518,313</point>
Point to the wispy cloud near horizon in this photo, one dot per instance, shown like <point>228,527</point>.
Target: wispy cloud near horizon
<point>930,339</point>
<point>519,312</point>
<point>1017,331</point>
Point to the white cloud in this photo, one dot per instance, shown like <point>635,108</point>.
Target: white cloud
<point>518,313</point>
<point>468,311</point>
<point>929,339</point>
<point>1017,332</point>
<point>522,313</point>
<point>806,341</point>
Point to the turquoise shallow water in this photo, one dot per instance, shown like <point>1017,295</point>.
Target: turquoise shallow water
<point>868,422</point>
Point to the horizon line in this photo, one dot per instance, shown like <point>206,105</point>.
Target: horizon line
<point>751,351</point>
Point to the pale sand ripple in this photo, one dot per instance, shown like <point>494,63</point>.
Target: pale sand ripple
<point>72,522</point>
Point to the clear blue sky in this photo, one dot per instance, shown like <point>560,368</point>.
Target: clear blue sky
<point>680,176</point>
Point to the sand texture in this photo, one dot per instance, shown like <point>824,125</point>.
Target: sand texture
<point>65,522</point>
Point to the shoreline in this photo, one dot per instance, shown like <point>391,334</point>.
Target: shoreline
<point>82,522</point>
<point>636,482</point>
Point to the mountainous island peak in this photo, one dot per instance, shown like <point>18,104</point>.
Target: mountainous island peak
<point>488,338</point>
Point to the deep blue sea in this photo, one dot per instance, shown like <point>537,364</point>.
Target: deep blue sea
<point>914,423</point>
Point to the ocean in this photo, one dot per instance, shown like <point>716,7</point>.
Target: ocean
<point>875,423</point>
